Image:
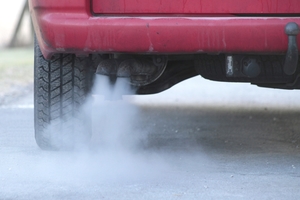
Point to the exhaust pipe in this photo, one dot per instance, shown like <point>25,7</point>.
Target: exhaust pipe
<point>139,70</point>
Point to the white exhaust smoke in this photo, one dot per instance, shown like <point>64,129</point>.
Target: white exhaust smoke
<point>115,152</point>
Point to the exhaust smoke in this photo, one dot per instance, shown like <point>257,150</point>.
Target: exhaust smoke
<point>115,151</point>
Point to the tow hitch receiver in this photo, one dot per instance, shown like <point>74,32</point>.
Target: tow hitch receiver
<point>291,58</point>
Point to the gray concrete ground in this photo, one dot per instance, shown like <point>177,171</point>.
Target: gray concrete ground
<point>199,140</point>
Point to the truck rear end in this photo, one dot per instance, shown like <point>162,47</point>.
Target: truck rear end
<point>157,44</point>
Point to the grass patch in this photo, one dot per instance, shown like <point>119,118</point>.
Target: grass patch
<point>16,57</point>
<point>16,69</point>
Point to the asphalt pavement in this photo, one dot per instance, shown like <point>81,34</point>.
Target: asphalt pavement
<point>199,140</point>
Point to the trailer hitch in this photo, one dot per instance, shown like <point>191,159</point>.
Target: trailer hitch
<point>291,58</point>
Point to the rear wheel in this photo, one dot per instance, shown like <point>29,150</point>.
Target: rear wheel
<point>61,87</point>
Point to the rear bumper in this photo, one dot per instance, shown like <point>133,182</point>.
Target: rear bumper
<point>76,30</point>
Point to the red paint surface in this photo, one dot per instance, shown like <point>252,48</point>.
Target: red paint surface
<point>195,6</point>
<point>67,26</point>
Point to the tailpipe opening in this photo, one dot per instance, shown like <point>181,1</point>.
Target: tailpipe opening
<point>138,70</point>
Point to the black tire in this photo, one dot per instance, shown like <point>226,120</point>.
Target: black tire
<point>61,87</point>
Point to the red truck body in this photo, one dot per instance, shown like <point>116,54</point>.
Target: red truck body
<point>173,27</point>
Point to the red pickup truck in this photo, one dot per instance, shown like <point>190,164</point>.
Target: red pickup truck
<point>155,44</point>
